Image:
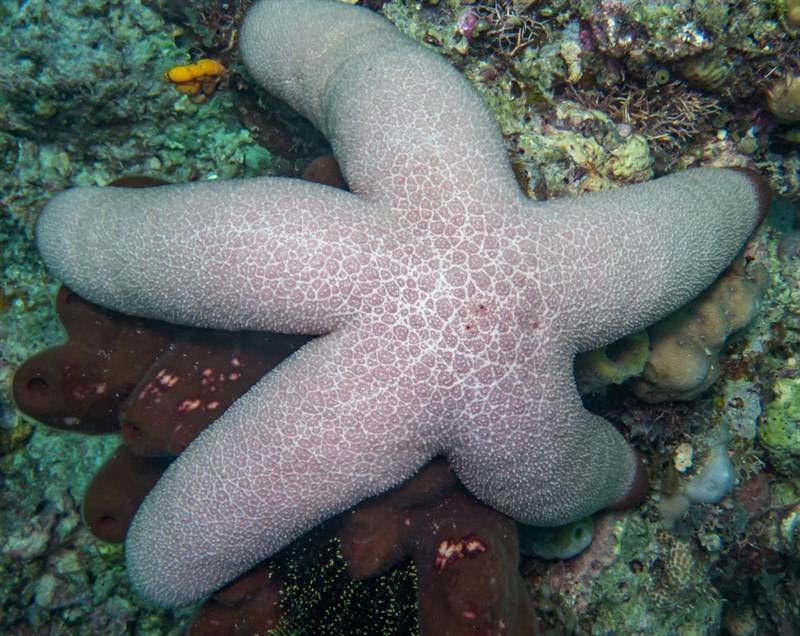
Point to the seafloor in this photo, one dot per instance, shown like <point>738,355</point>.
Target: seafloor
<point>589,95</point>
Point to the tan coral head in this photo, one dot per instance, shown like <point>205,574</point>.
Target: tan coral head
<point>783,98</point>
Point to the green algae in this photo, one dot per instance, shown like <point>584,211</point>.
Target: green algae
<point>779,428</point>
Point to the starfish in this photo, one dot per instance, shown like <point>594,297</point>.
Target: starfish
<point>449,306</point>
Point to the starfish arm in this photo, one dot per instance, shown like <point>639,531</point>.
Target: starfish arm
<point>557,462</point>
<point>640,252</point>
<point>328,428</point>
<point>271,253</point>
<point>346,68</point>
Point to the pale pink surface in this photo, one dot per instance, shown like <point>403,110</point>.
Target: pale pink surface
<point>453,305</point>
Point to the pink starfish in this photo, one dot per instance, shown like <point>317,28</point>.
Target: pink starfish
<point>452,306</point>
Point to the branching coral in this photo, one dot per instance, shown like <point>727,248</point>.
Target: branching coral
<point>508,26</point>
<point>213,23</point>
<point>512,29</point>
<point>669,116</point>
<point>218,22</point>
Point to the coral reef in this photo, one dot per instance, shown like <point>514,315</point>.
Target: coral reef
<point>212,25</point>
<point>669,116</point>
<point>630,564</point>
<point>683,359</point>
<point>779,428</point>
<point>614,364</point>
<point>697,80</point>
<point>677,358</point>
<point>99,108</point>
<point>711,483</point>
<point>561,542</point>
<point>100,65</point>
<point>783,98</point>
<point>360,397</point>
<point>82,100</point>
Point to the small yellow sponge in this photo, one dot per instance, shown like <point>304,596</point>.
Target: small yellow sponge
<point>198,80</point>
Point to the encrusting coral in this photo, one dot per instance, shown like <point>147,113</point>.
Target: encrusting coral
<point>779,428</point>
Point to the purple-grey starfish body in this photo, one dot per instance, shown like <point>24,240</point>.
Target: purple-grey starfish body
<point>451,305</point>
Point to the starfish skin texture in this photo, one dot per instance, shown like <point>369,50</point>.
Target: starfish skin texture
<point>450,305</point>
